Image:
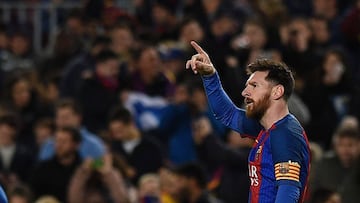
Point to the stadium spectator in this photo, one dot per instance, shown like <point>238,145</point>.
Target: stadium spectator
<point>96,180</point>
<point>53,61</point>
<point>44,129</point>
<point>68,114</point>
<point>98,93</point>
<point>19,56</point>
<point>331,171</point>
<point>82,66</point>
<point>16,160</point>
<point>188,103</point>
<point>19,96</point>
<point>143,153</point>
<point>20,194</point>
<point>43,180</point>
<point>329,95</point>
<point>350,188</point>
<point>325,196</point>
<point>192,182</point>
<point>227,163</point>
<point>148,76</point>
<point>123,40</point>
<point>149,188</point>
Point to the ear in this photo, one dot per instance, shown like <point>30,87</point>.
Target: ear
<point>277,92</point>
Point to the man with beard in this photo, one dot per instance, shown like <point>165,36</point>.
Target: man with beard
<point>52,177</point>
<point>279,160</point>
<point>192,184</point>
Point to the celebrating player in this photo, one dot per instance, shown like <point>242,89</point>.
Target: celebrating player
<point>279,161</point>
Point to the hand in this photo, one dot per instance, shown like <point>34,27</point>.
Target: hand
<point>200,62</point>
<point>201,129</point>
<point>108,164</point>
<point>86,166</point>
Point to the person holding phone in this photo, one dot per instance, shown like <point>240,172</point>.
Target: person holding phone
<point>93,177</point>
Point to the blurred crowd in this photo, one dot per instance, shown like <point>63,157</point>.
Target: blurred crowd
<point>112,116</point>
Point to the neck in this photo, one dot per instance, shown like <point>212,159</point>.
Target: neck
<point>133,134</point>
<point>147,77</point>
<point>274,113</point>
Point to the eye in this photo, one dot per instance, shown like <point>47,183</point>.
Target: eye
<point>252,84</point>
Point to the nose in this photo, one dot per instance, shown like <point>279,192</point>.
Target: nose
<point>245,92</point>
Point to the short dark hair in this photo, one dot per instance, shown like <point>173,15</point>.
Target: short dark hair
<point>68,103</point>
<point>11,120</point>
<point>123,26</point>
<point>121,114</point>
<point>322,195</point>
<point>137,52</point>
<point>101,40</point>
<point>279,73</point>
<point>22,191</point>
<point>74,132</point>
<point>193,170</point>
<point>347,132</point>
<point>187,20</point>
<point>256,22</point>
<point>45,122</point>
<point>105,55</point>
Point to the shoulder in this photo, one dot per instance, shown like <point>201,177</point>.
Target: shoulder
<point>90,81</point>
<point>287,131</point>
<point>88,136</point>
<point>288,140</point>
<point>49,143</point>
<point>150,140</point>
<point>24,151</point>
<point>151,144</point>
<point>162,81</point>
<point>46,165</point>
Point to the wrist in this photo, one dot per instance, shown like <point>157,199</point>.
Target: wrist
<point>210,73</point>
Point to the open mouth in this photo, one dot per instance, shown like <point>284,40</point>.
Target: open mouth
<point>248,101</point>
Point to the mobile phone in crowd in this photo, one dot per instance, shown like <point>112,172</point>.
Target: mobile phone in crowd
<point>97,163</point>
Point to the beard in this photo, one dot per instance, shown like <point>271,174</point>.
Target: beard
<point>65,154</point>
<point>257,109</point>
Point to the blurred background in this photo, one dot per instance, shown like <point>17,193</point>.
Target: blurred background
<point>96,104</point>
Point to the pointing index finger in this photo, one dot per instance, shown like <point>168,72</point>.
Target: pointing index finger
<point>197,47</point>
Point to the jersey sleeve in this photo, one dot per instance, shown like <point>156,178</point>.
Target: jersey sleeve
<point>226,111</point>
<point>3,198</point>
<point>287,154</point>
<point>288,194</point>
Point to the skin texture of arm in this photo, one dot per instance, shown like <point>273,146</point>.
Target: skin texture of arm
<point>77,185</point>
<point>115,183</point>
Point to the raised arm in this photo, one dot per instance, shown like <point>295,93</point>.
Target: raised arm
<point>223,108</point>
<point>114,181</point>
<point>77,185</point>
